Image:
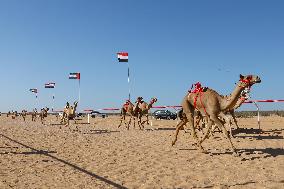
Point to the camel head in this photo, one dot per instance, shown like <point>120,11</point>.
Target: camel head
<point>153,100</point>
<point>67,105</point>
<point>127,102</point>
<point>248,80</point>
<point>73,109</point>
<point>139,99</point>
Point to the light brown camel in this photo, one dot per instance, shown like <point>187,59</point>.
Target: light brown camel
<point>211,105</point>
<point>43,114</point>
<point>244,96</point>
<point>24,114</point>
<point>228,119</point>
<point>34,114</point>
<point>144,108</point>
<point>130,109</point>
<point>69,113</point>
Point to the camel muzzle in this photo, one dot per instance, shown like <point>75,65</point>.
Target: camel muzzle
<point>258,81</point>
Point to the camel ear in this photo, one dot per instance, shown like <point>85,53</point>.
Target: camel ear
<point>241,76</point>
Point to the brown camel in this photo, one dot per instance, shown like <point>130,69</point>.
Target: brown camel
<point>34,114</point>
<point>14,114</point>
<point>144,110</point>
<point>230,114</point>
<point>244,96</point>
<point>43,114</point>
<point>130,109</point>
<point>228,119</point>
<point>211,105</point>
<point>24,114</point>
<point>69,113</point>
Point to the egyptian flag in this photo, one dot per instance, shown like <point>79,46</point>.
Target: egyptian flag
<point>49,85</point>
<point>33,90</point>
<point>74,76</point>
<point>122,56</point>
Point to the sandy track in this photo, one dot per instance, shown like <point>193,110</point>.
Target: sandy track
<point>100,155</point>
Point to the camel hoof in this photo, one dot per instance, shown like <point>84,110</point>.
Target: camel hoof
<point>236,154</point>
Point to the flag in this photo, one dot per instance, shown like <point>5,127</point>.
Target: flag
<point>74,76</point>
<point>122,56</point>
<point>33,90</point>
<point>49,85</point>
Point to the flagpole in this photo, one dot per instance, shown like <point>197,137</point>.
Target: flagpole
<point>128,79</point>
<point>36,101</point>
<point>79,92</point>
<point>53,101</point>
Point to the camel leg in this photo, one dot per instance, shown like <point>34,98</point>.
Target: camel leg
<point>129,123</point>
<point>134,123</point>
<point>178,127</point>
<point>147,118</point>
<point>235,120</point>
<point>222,127</point>
<point>142,122</point>
<point>121,119</point>
<point>209,129</point>
<point>190,118</point>
<point>227,119</point>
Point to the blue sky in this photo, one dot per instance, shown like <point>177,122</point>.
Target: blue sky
<point>171,45</point>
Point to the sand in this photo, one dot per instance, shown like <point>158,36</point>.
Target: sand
<point>100,155</point>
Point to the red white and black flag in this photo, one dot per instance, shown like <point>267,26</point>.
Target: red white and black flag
<point>49,85</point>
<point>122,56</point>
<point>74,76</point>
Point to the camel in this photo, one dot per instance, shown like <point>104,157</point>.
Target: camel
<point>24,114</point>
<point>230,114</point>
<point>34,114</point>
<point>244,96</point>
<point>69,113</point>
<point>43,114</point>
<point>144,110</point>
<point>8,114</point>
<point>14,114</point>
<point>211,105</point>
<point>130,109</point>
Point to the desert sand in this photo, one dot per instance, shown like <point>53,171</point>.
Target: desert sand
<point>100,155</point>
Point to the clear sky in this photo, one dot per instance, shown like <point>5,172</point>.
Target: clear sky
<point>171,44</point>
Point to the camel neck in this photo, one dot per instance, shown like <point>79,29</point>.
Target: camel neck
<point>239,102</point>
<point>231,100</point>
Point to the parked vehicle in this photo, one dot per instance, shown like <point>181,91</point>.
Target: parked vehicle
<point>98,114</point>
<point>164,114</point>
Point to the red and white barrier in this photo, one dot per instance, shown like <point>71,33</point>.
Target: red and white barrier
<point>178,107</point>
<point>251,101</point>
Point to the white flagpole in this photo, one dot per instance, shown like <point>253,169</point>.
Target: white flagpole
<point>79,98</point>
<point>128,79</point>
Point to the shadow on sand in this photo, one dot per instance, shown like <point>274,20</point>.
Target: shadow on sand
<point>260,153</point>
<point>68,163</point>
<point>100,131</point>
<point>162,129</point>
<point>227,186</point>
<point>39,152</point>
